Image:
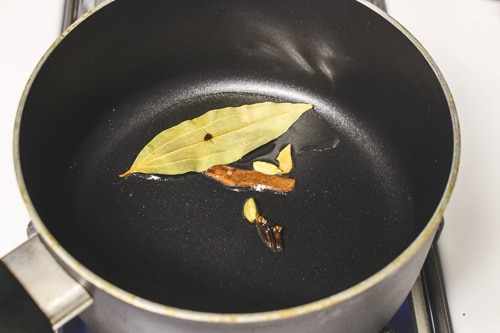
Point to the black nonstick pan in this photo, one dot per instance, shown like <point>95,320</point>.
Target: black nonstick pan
<point>374,162</point>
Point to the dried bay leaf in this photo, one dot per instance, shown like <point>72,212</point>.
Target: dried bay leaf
<point>219,136</point>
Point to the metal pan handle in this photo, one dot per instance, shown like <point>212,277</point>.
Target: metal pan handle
<point>19,312</point>
<point>36,293</point>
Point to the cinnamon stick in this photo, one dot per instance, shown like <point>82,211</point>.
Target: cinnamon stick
<point>236,177</point>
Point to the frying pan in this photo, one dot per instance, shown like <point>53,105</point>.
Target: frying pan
<point>375,163</point>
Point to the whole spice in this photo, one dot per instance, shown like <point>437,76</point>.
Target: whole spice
<point>284,160</point>
<point>236,177</point>
<point>268,231</point>
<point>250,210</point>
<point>270,234</point>
<point>266,167</point>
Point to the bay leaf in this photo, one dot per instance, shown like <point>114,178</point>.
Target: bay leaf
<point>220,136</point>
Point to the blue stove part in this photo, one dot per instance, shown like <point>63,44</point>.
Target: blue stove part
<point>76,325</point>
<point>404,320</point>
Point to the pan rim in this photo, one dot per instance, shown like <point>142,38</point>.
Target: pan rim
<point>91,279</point>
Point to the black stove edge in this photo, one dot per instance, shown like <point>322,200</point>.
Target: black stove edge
<point>433,289</point>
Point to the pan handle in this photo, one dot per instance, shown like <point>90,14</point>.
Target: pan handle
<point>19,312</point>
<point>36,293</point>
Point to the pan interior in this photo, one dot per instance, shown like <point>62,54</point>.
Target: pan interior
<point>182,240</point>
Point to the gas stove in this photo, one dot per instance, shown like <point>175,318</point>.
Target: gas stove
<point>461,37</point>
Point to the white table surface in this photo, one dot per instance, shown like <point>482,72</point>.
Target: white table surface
<point>463,37</point>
